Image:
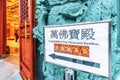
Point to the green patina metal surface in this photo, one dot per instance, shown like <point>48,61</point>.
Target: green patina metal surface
<point>58,12</point>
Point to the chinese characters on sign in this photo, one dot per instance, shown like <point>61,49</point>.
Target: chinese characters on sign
<point>73,34</point>
<point>72,49</point>
<point>81,46</point>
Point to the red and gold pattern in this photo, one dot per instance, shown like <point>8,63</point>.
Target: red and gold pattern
<point>72,49</point>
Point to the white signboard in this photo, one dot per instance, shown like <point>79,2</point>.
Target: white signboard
<point>79,46</point>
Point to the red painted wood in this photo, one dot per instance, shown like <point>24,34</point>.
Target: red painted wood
<point>27,44</point>
<point>2,26</point>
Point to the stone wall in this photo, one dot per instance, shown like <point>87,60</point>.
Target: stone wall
<point>58,12</point>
